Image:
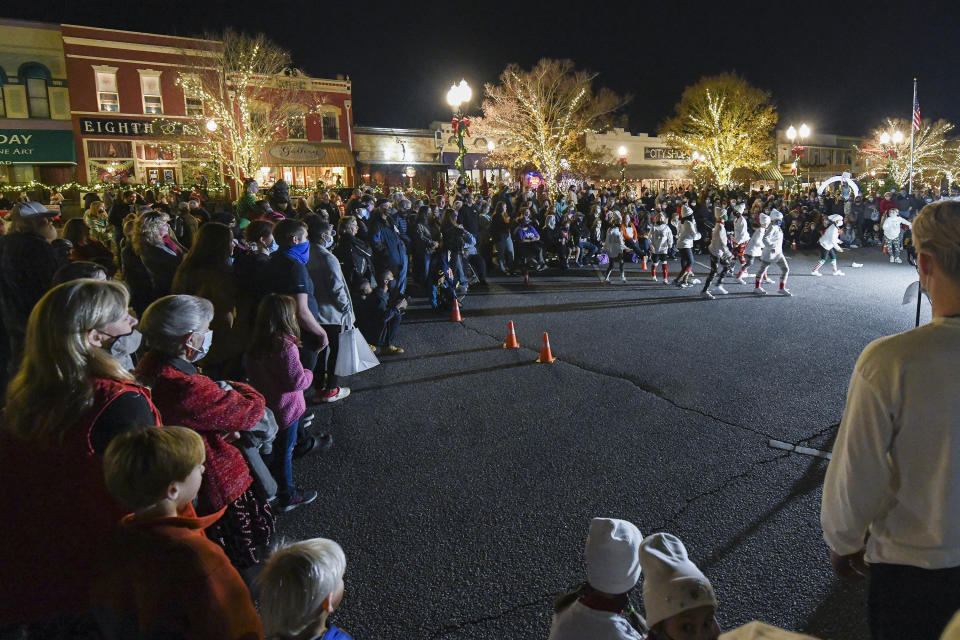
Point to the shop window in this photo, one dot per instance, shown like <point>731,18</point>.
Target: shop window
<point>107,95</point>
<point>150,88</point>
<point>109,149</point>
<point>194,107</point>
<point>193,100</point>
<point>331,126</point>
<point>297,126</point>
<point>37,98</point>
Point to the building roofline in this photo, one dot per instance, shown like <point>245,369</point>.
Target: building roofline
<point>33,24</point>
<point>394,131</point>
<point>140,33</point>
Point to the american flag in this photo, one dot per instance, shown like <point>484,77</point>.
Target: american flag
<point>916,112</point>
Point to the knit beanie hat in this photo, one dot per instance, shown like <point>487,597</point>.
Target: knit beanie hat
<point>764,219</point>
<point>612,553</point>
<point>673,584</point>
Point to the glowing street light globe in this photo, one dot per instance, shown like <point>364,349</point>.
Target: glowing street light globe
<point>622,151</point>
<point>211,125</point>
<point>897,137</point>
<point>696,156</point>
<point>490,146</point>
<point>885,138</point>
<point>804,131</point>
<point>791,133</point>
<point>459,94</point>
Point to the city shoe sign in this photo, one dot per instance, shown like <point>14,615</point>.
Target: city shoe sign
<point>664,153</point>
<point>138,128</point>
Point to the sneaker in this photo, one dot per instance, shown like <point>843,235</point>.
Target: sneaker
<point>785,292</point>
<point>766,280</point>
<point>623,277</point>
<point>741,281</point>
<point>298,499</point>
<point>666,282</point>
<point>759,291</point>
<point>747,274</point>
<point>337,393</point>
<point>839,273</point>
<point>816,273</point>
<point>305,446</point>
<point>720,289</point>
<point>695,281</point>
<point>892,259</point>
<point>655,279</point>
<point>899,260</point>
<point>606,278</point>
<point>391,350</point>
<point>706,295</point>
<point>686,285</point>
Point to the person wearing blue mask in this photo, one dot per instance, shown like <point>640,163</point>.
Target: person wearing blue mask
<point>288,275</point>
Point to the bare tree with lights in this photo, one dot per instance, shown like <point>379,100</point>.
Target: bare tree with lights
<point>541,117</point>
<point>934,155</point>
<point>248,92</point>
<point>724,124</point>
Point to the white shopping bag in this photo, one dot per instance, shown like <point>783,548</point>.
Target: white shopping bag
<point>354,355</point>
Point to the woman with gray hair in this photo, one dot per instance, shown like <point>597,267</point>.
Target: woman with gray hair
<point>160,255</point>
<point>177,332</point>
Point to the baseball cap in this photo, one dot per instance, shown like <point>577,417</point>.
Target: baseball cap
<point>25,210</point>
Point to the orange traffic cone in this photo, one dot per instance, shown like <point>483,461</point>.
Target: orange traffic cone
<point>643,263</point>
<point>884,248</point>
<point>511,342</point>
<point>455,316</point>
<point>545,355</point>
<point>793,245</point>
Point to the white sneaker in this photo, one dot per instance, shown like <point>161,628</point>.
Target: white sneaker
<point>606,278</point>
<point>899,260</point>
<point>766,280</point>
<point>695,281</point>
<point>665,281</point>
<point>746,274</point>
<point>816,273</point>
<point>741,281</point>
<point>785,292</point>
<point>655,279</point>
<point>706,295</point>
<point>892,259</point>
<point>623,277</point>
<point>759,291</point>
<point>342,392</point>
<point>839,273</point>
<point>720,289</point>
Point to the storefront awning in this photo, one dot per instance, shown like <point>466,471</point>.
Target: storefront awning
<point>768,173</point>
<point>646,172</point>
<point>37,146</point>
<point>299,153</point>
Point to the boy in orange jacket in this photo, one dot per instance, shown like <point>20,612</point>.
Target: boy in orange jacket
<point>160,575</point>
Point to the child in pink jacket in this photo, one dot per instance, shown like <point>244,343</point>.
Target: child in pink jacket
<point>273,367</point>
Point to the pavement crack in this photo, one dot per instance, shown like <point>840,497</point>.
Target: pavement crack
<point>689,501</point>
<point>658,393</point>
<point>835,425</point>
<point>450,628</point>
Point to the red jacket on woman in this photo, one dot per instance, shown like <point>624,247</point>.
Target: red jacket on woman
<point>188,398</point>
<point>59,513</point>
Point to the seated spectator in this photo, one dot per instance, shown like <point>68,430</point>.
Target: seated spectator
<point>300,586</point>
<point>159,575</point>
<point>86,247</point>
<point>99,222</point>
<point>158,256</point>
<point>600,608</point>
<point>177,332</point>
<point>51,444</point>
<point>678,599</point>
<point>378,317</point>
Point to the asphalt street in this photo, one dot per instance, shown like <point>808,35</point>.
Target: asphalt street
<point>463,476</point>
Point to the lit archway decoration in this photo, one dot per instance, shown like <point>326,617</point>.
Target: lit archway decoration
<point>844,178</point>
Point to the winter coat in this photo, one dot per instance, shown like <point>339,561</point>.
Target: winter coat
<point>891,227</point>
<point>830,238</point>
<point>718,241</point>
<point>772,243</point>
<point>613,245</point>
<point>388,249</point>
<point>356,258</point>
<point>329,287</point>
<point>661,239</point>
<point>755,243</point>
<point>741,230</point>
<point>688,233</point>
<point>282,380</point>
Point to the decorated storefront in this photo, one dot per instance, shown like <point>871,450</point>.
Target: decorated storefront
<point>42,155</point>
<point>308,164</point>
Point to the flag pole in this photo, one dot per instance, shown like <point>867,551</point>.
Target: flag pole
<point>913,107</point>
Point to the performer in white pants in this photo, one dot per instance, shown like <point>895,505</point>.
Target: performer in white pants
<point>773,253</point>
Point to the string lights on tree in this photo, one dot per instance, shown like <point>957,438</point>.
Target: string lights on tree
<point>541,116</point>
<point>728,122</point>
<point>934,154</point>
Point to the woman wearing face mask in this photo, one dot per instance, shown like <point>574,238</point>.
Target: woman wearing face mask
<point>177,333</point>
<point>51,444</point>
<point>207,272</point>
<point>151,241</point>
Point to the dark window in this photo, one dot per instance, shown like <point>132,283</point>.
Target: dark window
<point>331,126</point>
<point>37,97</point>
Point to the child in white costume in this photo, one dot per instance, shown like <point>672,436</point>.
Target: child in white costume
<point>741,236</point>
<point>614,246</point>
<point>720,256</point>
<point>686,236</point>
<point>661,239</point>
<point>893,234</point>
<point>600,609</point>
<point>830,245</point>
<point>773,252</point>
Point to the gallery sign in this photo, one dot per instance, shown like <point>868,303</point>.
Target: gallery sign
<point>664,153</point>
<point>36,146</point>
<point>138,128</point>
<point>296,153</point>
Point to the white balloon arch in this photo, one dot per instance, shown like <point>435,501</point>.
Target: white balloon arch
<point>844,178</point>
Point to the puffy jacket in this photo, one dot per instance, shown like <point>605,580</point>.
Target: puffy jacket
<point>661,238</point>
<point>755,244</point>
<point>773,243</point>
<point>688,233</point>
<point>613,245</point>
<point>830,238</point>
<point>891,227</point>
<point>741,231</point>
<point>718,241</point>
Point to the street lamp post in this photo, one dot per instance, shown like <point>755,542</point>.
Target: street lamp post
<point>622,162</point>
<point>458,96</point>
<point>792,135</point>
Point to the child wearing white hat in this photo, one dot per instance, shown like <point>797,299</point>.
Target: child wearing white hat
<point>600,609</point>
<point>678,599</point>
<point>772,253</point>
<point>687,235</point>
<point>754,246</point>
<point>720,256</point>
<point>830,245</point>
<point>893,234</point>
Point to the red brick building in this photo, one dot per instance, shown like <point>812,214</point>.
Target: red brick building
<point>132,120</point>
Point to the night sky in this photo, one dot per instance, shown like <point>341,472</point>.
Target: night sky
<point>839,66</point>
